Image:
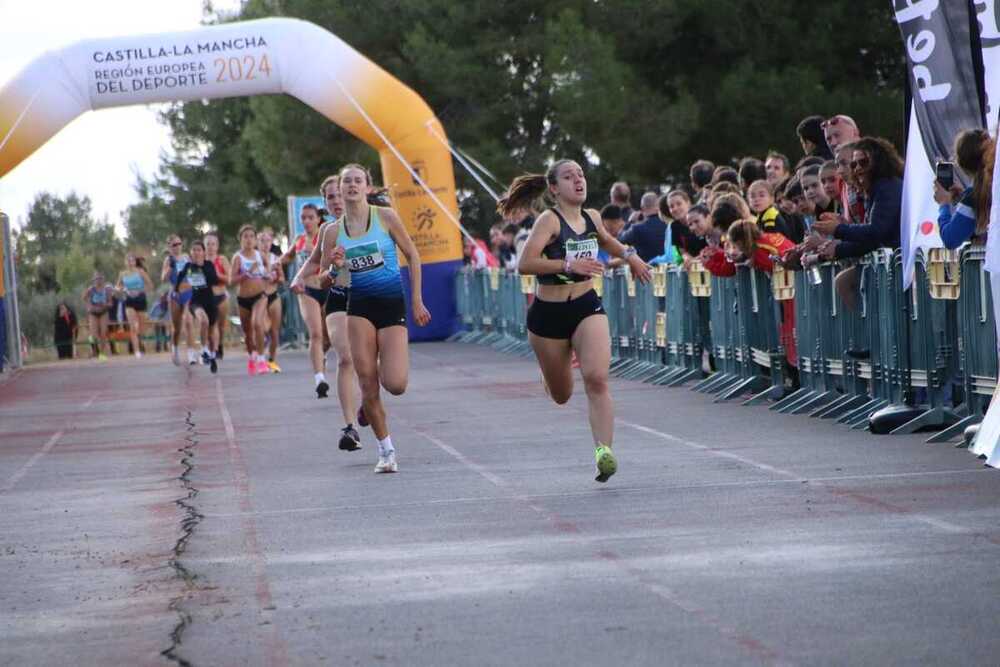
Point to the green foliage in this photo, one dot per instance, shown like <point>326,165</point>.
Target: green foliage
<point>637,89</point>
<point>61,244</point>
<point>76,268</point>
<point>37,311</point>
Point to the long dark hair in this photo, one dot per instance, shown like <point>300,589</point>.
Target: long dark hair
<point>744,234</point>
<point>975,152</point>
<point>886,162</point>
<point>69,309</point>
<point>525,190</point>
<point>982,188</point>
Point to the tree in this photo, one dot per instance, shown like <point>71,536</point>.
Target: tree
<point>636,90</point>
<point>57,227</point>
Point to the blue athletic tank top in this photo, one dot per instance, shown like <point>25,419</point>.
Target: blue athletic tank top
<point>133,282</point>
<point>99,297</point>
<point>177,265</point>
<point>371,259</point>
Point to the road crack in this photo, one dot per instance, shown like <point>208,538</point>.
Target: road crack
<point>192,517</point>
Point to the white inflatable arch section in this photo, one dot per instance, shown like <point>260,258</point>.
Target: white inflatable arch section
<point>267,56</point>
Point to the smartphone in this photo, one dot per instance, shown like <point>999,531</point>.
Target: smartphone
<point>945,174</point>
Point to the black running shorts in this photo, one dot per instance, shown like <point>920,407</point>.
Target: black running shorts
<point>247,302</point>
<point>381,312</point>
<point>137,302</point>
<point>205,301</point>
<point>559,319</point>
<point>336,300</point>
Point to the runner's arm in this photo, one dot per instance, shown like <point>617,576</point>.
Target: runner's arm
<point>617,249</point>
<point>312,265</point>
<point>532,263</point>
<point>409,249</point>
<point>236,276</point>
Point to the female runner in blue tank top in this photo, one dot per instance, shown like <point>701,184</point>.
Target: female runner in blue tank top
<point>98,298</point>
<point>134,283</point>
<point>180,318</point>
<point>567,314</point>
<point>365,241</point>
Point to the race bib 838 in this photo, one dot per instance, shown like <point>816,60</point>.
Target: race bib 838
<point>364,257</point>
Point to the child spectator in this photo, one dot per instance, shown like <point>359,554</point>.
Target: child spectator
<point>761,201</point>
<point>747,243</point>
<point>829,179</point>
<point>815,196</point>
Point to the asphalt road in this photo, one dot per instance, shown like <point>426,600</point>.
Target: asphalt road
<point>145,508</point>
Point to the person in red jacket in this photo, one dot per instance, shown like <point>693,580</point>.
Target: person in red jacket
<point>746,243</point>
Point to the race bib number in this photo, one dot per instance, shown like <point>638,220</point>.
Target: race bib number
<point>196,279</point>
<point>581,249</point>
<point>364,257</point>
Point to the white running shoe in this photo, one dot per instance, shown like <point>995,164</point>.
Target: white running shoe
<point>175,355</point>
<point>386,463</point>
<point>138,355</point>
<point>192,358</point>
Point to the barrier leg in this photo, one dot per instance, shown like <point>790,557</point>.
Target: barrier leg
<point>727,381</point>
<point>932,417</point>
<point>841,406</point>
<point>955,430</point>
<point>866,409</point>
<point>752,385</point>
<point>802,407</point>
<point>768,394</point>
<point>682,377</point>
<point>662,374</point>
<point>792,398</point>
<point>708,381</point>
<point>859,421</point>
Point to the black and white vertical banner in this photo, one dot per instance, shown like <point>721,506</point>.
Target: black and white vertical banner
<point>943,61</point>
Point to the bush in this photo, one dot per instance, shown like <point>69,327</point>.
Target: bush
<point>38,311</point>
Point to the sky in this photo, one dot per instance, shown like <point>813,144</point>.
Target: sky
<point>100,153</point>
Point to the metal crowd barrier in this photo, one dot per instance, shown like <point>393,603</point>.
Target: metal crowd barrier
<point>962,278</point>
<point>682,329</point>
<point>931,350</point>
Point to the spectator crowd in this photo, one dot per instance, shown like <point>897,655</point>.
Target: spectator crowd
<point>839,200</point>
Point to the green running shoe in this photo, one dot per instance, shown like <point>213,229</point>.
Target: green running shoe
<point>606,463</point>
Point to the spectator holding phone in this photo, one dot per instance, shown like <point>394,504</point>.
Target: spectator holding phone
<point>967,219</point>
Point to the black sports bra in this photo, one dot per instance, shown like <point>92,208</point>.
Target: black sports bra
<point>570,245</point>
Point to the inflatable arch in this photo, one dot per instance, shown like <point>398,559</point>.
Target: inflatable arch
<point>267,56</point>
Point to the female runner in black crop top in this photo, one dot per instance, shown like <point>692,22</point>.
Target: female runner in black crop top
<point>567,314</point>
